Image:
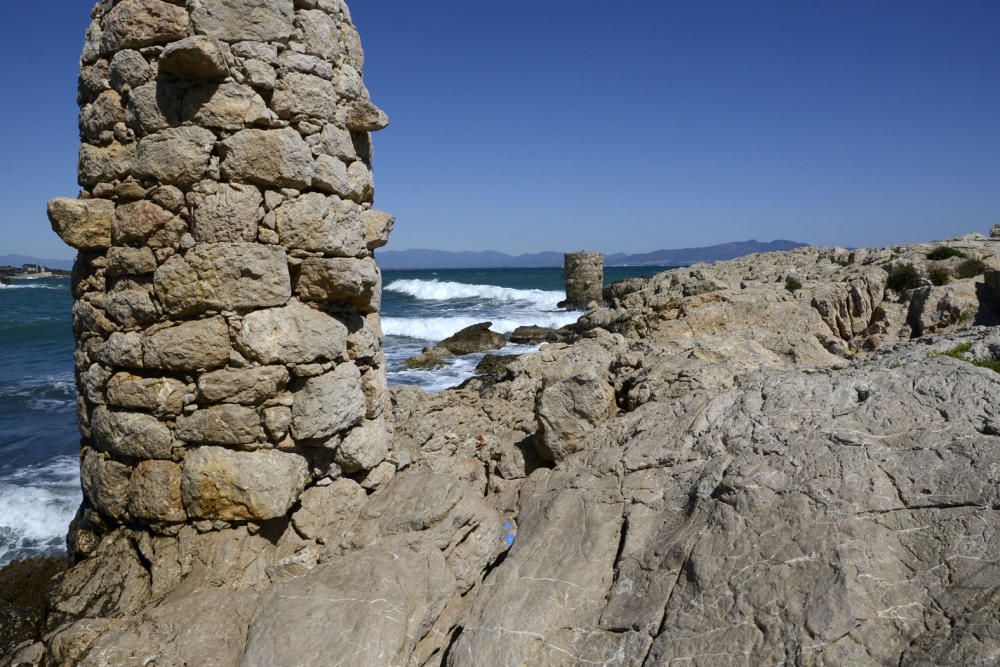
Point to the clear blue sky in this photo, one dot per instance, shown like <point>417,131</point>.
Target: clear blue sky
<point>622,126</point>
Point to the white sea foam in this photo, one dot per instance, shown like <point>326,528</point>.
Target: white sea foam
<point>37,504</point>
<point>441,290</point>
<point>438,328</point>
<point>2,287</point>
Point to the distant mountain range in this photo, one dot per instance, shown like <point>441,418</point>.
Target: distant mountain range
<point>489,259</point>
<point>21,260</point>
<point>442,259</point>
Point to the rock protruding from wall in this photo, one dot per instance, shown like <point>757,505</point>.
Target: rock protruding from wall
<point>584,279</point>
<point>227,297</point>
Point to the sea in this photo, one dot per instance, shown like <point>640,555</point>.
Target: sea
<point>39,442</point>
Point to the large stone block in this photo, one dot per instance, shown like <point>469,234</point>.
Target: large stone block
<point>220,425</point>
<point>354,283</point>
<point>225,212</point>
<point>224,276</point>
<point>135,23</point>
<point>84,224</point>
<point>192,346</point>
<point>295,334</point>
<point>320,34</point>
<point>132,435</point>
<point>246,386</point>
<point>155,493</point>
<point>328,404</point>
<point>273,158</point>
<point>319,223</point>
<point>241,486</point>
<point>571,409</point>
<point>364,447</point>
<point>157,395</point>
<point>144,223</point>
<point>240,20</point>
<point>176,156</point>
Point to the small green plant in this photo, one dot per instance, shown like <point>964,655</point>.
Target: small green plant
<point>792,285</point>
<point>958,351</point>
<point>971,268</point>
<point>940,277</point>
<point>902,278</point>
<point>944,252</point>
<point>895,366</point>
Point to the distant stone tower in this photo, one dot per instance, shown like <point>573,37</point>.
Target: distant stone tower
<point>584,273</point>
<point>228,337</point>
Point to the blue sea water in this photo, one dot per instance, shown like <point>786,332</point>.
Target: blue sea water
<point>39,442</point>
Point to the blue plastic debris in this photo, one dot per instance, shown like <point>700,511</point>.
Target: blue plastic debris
<point>509,539</point>
<point>509,533</point>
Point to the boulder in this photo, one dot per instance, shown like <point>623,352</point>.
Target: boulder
<point>294,334</point>
<point>532,335</point>
<point>364,447</point>
<point>936,308</point>
<point>136,23</point>
<point>355,283</point>
<point>230,425</point>
<point>328,404</point>
<point>378,226</point>
<point>223,276</point>
<point>105,483</point>
<point>132,435</point>
<point>241,486</point>
<point>319,223</point>
<point>128,69</point>
<point>175,156</point>
<point>569,410</point>
<point>243,20</point>
<point>325,510</point>
<point>197,57</point>
<point>473,339</point>
<point>191,346</point>
<point>84,224</point>
<point>273,158</point>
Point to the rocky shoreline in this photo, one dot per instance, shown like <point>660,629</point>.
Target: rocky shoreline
<point>720,469</point>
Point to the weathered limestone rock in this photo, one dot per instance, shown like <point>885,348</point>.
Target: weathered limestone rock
<point>328,404</point>
<point>225,212</point>
<point>105,482</point>
<point>323,224</point>
<point>131,261</point>
<point>244,386</point>
<point>240,20</point>
<point>584,279</point>
<point>241,486</point>
<point>144,223</point>
<point>476,338</point>
<point>155,493</point>
<point>175,156</point>
<point>230,425</point>
<point>294,334</point>
<point>363,448</point>
<point>279,158</point>
<point>304,94</point>
<point>160,395</point>
<point>570,409</point>
<point>84,224</point>
<point>192,346</point>
<point>326,509</point>
<point>135,23</point>
<point>128,69</point>
<point>378,225</point>
<point>223,276</point>
<point>353,283</point>
<point>132,435</point>
<point>227,106</point>
<point>197,57</point>
<point>103,164</point>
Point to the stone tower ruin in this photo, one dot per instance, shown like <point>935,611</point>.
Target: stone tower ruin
<point>226,294</point>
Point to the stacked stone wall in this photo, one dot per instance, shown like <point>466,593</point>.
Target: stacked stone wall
<point>226,293</point>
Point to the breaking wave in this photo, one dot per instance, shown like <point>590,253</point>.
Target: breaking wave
<point>37,504</point>
<point>438,328</point>
<point>441,290</point>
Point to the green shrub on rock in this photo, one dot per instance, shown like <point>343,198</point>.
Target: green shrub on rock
<point>905,277</point>
<point>944,252</point>
<point>971,268</point>
<point>940,277</point>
